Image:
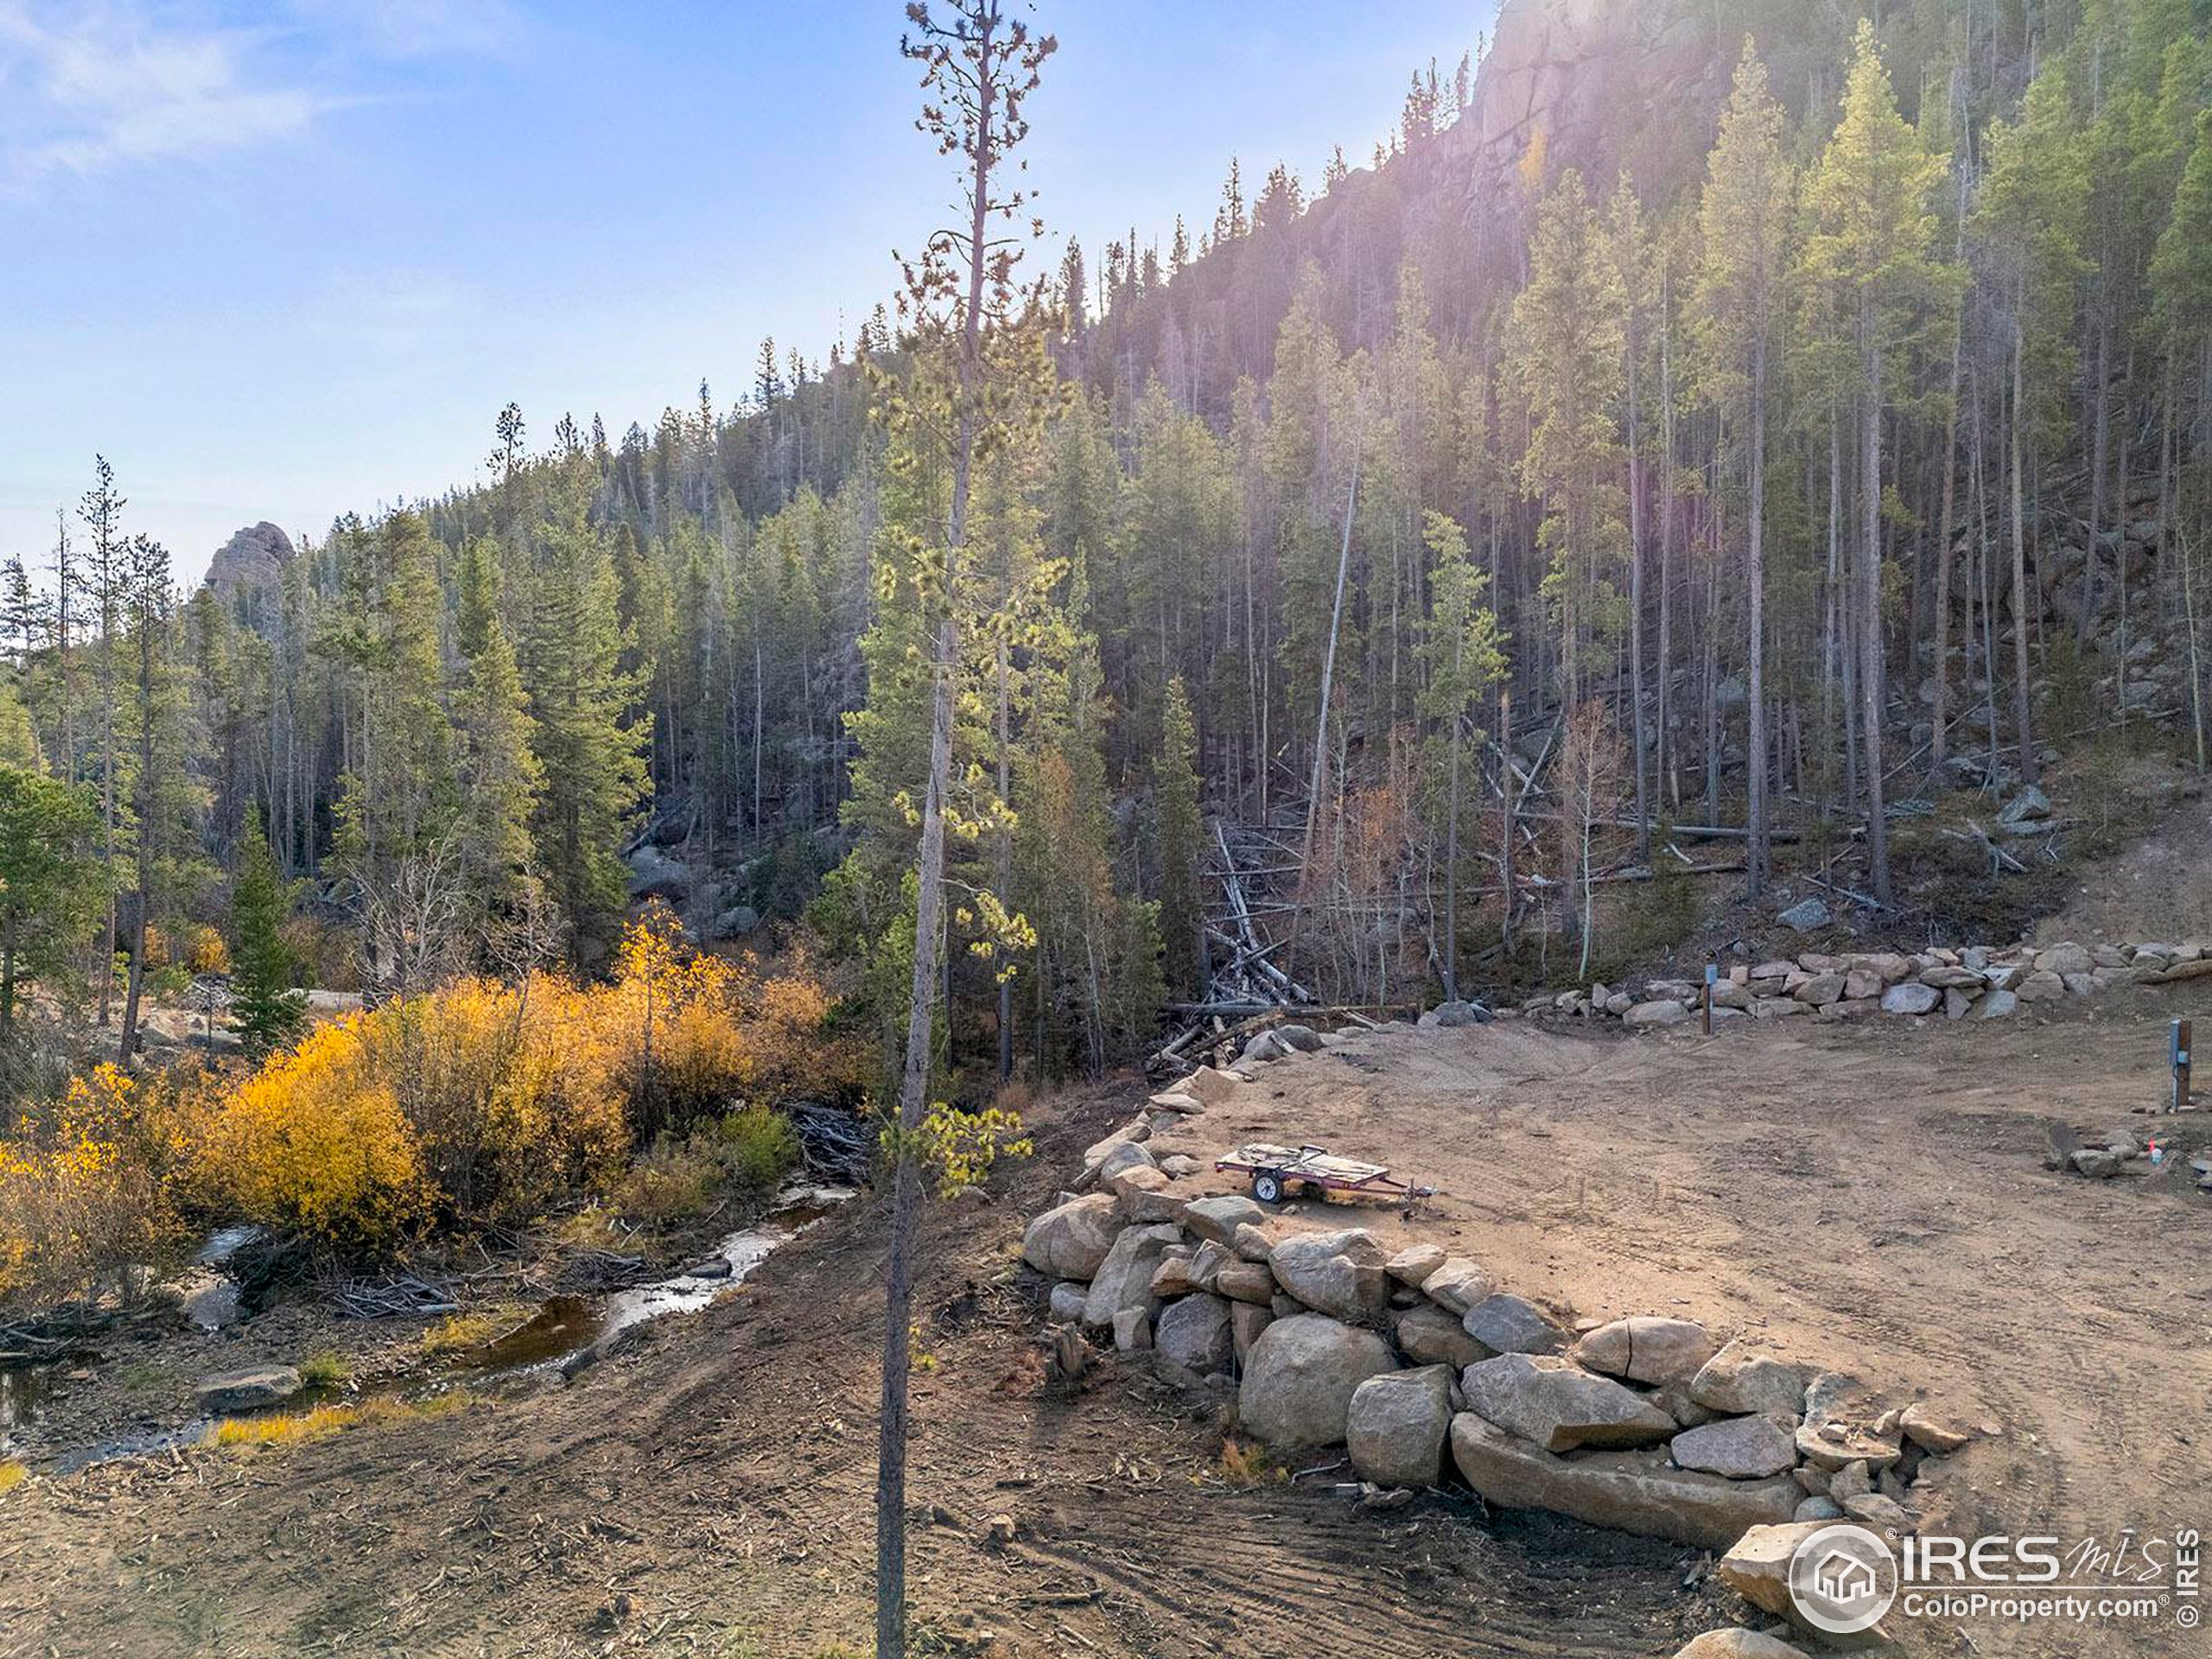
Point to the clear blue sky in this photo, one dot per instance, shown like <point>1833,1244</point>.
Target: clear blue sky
<point>279,261</point>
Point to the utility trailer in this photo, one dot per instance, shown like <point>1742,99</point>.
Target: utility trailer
<point>1274,1170</point>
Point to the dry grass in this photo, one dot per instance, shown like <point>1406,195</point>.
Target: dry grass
<point>457,1333</point>
<point>326,1421</point>
<point>1250,1465</point>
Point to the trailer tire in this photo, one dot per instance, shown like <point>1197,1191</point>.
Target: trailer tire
<point>1267,1186</point>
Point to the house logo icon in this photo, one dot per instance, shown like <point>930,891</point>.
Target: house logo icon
<point>1842,1580</point>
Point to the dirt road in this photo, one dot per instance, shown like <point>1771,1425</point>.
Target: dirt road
<point>1869,1198</point>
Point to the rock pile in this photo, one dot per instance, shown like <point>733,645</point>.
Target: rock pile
<point>1420,1364</point>
<point>1969,982</point>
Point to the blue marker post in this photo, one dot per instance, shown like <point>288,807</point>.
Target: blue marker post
<point>1712,978</point>
<point>2181,1034</point>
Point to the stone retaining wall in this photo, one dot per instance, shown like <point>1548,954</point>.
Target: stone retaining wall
<point>1967,982</point>
<point>1418,1364</point>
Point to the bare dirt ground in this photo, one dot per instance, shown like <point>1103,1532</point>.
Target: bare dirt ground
<point>1871,1197</point>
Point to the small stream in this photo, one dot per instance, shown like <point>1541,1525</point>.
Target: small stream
<point>564,1328</point>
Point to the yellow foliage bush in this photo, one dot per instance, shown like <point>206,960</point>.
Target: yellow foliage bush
<point>314,1143</point>
<point>209,954</point>
<point>80,1203</point>
<point>488,1100</point>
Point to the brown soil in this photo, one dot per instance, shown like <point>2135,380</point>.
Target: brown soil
<point>1871,1198</point>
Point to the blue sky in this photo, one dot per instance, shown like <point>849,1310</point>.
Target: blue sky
<point>284,260</point>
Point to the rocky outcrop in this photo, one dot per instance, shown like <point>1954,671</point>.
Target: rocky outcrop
<point>251,563</point>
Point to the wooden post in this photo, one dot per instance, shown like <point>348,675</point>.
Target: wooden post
<point>1712,978</point>
<point>2181,1034</point>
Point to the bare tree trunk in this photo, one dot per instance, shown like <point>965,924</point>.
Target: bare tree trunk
<point>2021,602</point>
<point>1870,623</point>
<point>1636,615</point>
<point>1665,759</point>
<point>1941,647</point>
<point>1328,674</point>
<point>1756,851</point>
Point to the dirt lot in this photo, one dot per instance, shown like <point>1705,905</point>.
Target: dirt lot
<point>1871,1197</point>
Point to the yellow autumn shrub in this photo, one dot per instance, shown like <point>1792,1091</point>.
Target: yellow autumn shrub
<point>315,1144</point>
<point>485,1101</point>
<point>80,1205</point>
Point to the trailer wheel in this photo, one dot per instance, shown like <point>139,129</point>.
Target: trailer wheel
<point>1267,1186</point>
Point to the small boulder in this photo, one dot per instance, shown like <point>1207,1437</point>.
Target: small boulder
<point>1217,1219</point>
<point>1071,1240</point>
<point>1806,916</point>
<point>1881,1512</point>
<point>1739,1644</point>
<point>1211,1085</point>
<point>1651,1016</point>
<point>1931,1432</point>
<point>1834,1445</point>
<point>1911,997</point>
<point>1245,1281</point>
<point>1145,1194</point>
<point>1741,1448</point>
<point>1450,1014</point>
<point>1997,1005</point>
<point>1067,1300</point>
<point>1739,1378</point>
<point>1413,1265</point>
<point>1339,1273</point>
<point>1194,1333</point>
<point>2064,959</point>
<point>1301,1376</point>
<point>2096,1163</point>
<point>1429,1336</point>
<point>1513,1325</point>
<point>246,1389</point>
<point>2028,806</point>
<point>1396,1423</point>
<point>1818,990</point>
<point>1457,1285</point>
<point>1132,1331</point>
<point>1646,1349</point>
<point>1557,1406</point>
<point>1246,1321</point>
<point>1124,1277</point>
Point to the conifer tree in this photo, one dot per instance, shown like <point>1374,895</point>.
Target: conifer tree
<point>979,68</point>
<point>587,732</point>
<point>1566,364</point>
<point>266,1011</point>
<point>2031,214</point>
<point>1870,196</point>
<point>1741,222</point>
<point>1464,654</point>
<point>1175,786</point>
<point>51,886</point>
<point>498,773</point>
